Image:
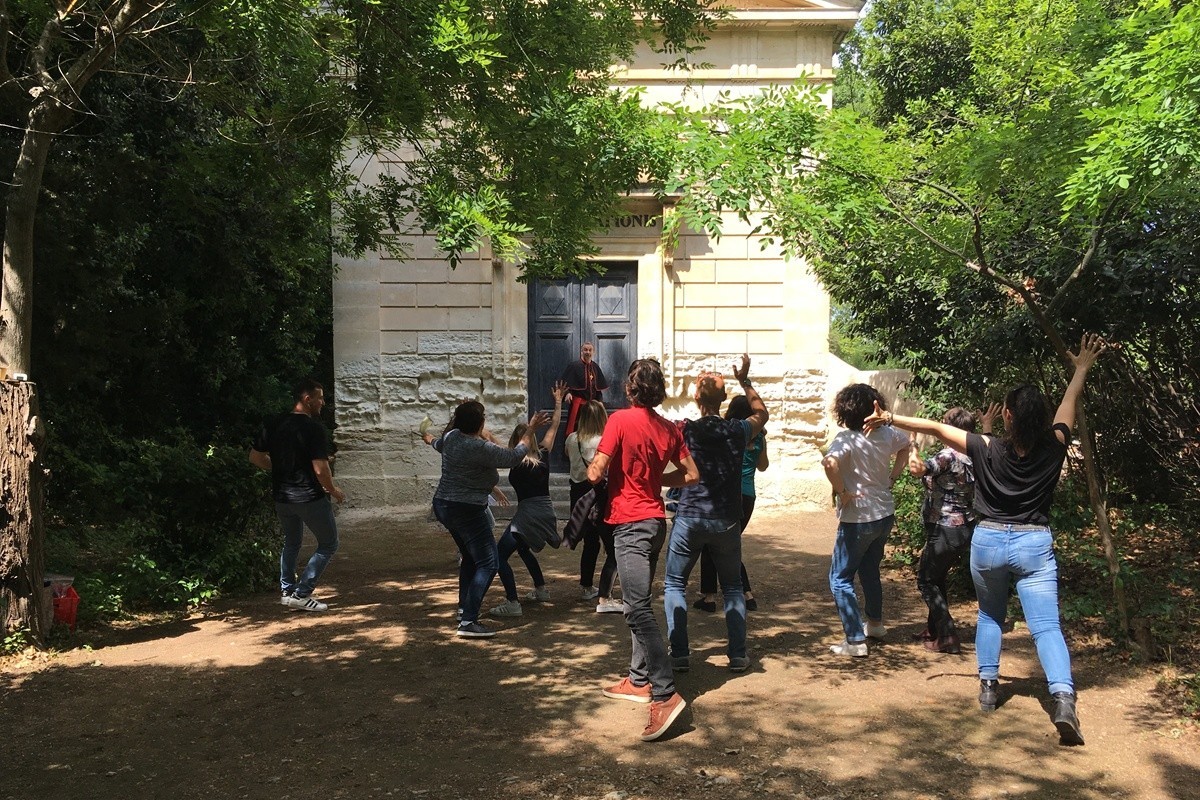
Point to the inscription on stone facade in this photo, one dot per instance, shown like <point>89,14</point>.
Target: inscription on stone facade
<point>634,221</point>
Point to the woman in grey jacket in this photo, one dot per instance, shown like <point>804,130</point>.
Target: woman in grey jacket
<point>470,465</point>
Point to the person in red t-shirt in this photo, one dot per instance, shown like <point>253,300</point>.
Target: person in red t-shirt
<point>634,451</point>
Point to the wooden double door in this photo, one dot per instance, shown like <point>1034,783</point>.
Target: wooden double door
<point>563,314</point>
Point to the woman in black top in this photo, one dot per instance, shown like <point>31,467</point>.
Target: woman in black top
<point>1015,478</point>
<point>534,523</point>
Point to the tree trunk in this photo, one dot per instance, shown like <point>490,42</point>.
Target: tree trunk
<point>21,488</point>
<point>46,118</point>
<point>1099,504</point>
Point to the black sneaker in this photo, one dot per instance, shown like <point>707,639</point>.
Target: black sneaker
<point>1065,719</point>
<point>989,694</point>
<point>474,630</point>
<point>705,605</point>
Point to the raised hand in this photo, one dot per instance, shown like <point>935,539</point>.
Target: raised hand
<point>559,391</point>
<point>1090,348</point>
<point>987,417</point>
<point>742,373</point>
<point>878,418</point>
<point>539,419</point>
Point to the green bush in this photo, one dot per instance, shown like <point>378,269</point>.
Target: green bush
<point>909,537</point>
<point>159,525</point>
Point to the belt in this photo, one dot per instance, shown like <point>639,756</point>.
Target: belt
<point>1011,526</point>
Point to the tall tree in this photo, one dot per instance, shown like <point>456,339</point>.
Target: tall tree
<point>517,133</point>
<point>970,220</point>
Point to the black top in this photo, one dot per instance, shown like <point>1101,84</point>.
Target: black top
<point>294,441</point>
<point>529,480</point>
<point>585,380</point>
<point>1014,489</point>
<point>717,447</point>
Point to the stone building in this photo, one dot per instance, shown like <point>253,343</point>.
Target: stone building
<point>413,337</point>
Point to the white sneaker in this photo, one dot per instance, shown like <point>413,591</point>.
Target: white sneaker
<point>309,603</point>
<point>874,630</point>
<point>857,649</point>
<point>610,606</point>
<point>540,594</point>
<point>509,608</point>
<point>589,593</point>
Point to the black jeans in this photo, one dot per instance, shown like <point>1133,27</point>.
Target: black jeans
<point>509,543</point>
<point>708,570</point>
<point>944,548</point>
<point>592,539</point>
<point>638,545</point>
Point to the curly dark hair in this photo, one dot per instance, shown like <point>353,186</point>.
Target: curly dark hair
<point>855,403</point>
<point>646,386</point>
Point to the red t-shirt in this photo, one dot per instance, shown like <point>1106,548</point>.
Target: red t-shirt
<point>640,444</point>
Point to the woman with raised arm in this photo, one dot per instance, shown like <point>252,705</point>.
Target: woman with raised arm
<point>1015,478</point>
<point>534,524</point>
<point>469,474</point>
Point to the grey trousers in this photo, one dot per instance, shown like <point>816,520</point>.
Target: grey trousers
<point>637,546</point>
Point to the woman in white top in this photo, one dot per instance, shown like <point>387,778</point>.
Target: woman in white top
<point>581,449</point>
<point>861,467</point>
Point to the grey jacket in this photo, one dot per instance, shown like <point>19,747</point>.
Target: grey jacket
<point>469,466</point>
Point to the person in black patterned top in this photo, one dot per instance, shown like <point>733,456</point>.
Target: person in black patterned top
<point>949,522</point>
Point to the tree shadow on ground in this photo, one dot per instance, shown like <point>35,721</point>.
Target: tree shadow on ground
<point>379,699</point>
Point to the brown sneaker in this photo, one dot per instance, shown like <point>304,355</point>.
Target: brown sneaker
<point>662,714</point>
<point>628,690</point>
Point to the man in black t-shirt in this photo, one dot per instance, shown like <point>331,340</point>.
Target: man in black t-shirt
<point>709,514</point>
<point>292,446</point>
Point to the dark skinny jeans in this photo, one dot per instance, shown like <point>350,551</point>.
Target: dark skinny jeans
<point>592,539</point>
<point>507,544</point>
<point>708,570</point>
<point>945,547</point>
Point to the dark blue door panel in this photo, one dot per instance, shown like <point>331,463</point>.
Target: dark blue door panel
<point>601,309</point>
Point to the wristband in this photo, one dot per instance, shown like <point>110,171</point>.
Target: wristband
<point>745,382</point>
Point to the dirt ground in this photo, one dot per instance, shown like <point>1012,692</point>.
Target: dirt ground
<point>377,699</point>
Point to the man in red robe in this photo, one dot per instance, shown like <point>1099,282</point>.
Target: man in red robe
<point>585,382</point>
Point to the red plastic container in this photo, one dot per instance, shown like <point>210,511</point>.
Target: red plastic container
<point>66,607</point>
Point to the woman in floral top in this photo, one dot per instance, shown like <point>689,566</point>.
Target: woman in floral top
<point>949,522</point>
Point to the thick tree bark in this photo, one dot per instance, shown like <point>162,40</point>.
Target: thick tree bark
<point>22,478</point>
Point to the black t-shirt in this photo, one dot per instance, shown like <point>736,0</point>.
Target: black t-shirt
<point>1012,489</point>
<point>294,441</point>
<point>529,480</point>
<point>717,447</point>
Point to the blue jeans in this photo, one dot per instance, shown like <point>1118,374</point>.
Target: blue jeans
<point>722,539</point>
<point>1025,552</point>
<point>505,547</point>
<point>318,516</point>
<point>858,551</point>
<point>471,527</point>
<point>637,545</point>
